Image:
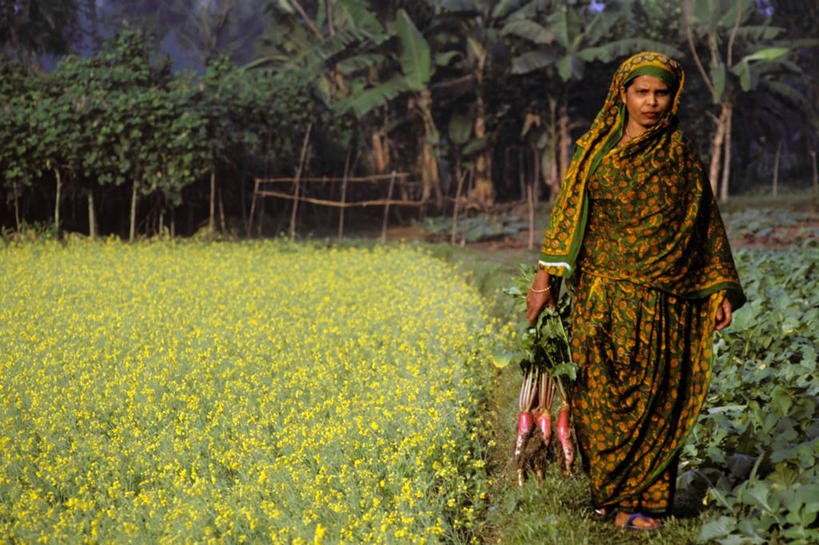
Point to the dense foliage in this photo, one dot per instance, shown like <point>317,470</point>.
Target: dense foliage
<point>479,100</point>
<point>118,127</point>
<point>231,393</point>
<point>756,445</point>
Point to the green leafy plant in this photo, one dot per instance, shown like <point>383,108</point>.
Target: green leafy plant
<point>545,359</point>
<point>756,444</point>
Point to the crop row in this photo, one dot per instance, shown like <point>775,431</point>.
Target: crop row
<point>249,392</point>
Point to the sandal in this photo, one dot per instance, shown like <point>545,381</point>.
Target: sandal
<point>604,513</point>
<point>631,526</point>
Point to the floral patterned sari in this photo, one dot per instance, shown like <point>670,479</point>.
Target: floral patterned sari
<point>638,231</point>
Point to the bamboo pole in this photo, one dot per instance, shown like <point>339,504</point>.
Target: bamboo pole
<point>455,207</point>
<point>249,225</point>
<point>92,221</point>
<point>387,209</point>
<point>16,209</point>
<point>530,199</point>
<point>726,154</point>
<point>222,222</point>
<point>298,185</point>
<point>336,204</point>
<point>343,196</point>
<point>132,226</point>
<point>325,179</point>
<point>775,182</point>
<point>57,202</point>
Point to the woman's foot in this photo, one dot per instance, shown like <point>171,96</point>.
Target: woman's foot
<point>636,521</point>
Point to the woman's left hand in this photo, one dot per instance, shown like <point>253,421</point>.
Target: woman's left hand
<point>724,314</point>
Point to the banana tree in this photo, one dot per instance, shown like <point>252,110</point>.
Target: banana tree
<point>726,27</point>
<point>561,40</point>
<point>374,84</point>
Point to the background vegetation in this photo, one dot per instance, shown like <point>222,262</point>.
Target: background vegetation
<point>114,137</point>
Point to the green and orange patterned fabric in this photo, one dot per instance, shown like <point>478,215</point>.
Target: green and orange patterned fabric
<point>644,365</point>
<point>659,224</point>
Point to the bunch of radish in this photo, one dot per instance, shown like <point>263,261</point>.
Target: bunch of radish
<point>545,359</point>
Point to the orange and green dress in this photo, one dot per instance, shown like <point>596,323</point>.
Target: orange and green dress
<point>638,233</point>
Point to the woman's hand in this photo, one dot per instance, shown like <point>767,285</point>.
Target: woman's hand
<point>723,314</point>
<point>537,298</point>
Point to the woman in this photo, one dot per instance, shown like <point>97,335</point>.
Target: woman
<point>637,230</point>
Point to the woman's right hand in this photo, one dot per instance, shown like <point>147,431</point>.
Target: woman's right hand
<point>536,299</point>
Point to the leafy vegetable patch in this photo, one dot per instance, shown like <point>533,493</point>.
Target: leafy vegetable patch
<point>756,445</point>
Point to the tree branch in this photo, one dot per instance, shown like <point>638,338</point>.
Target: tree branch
<point>330,25</point>
<point>297,6</point>
<point>734,34</point>
<point>686,9</point>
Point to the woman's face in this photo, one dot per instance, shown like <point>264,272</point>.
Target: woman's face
<point>647,99</point>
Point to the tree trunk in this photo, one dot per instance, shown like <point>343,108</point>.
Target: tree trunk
<point>92,220</point>
<point>461,176</point>
<point>222,222</point>
<point>530,200</point>
<point>726,164</point>
<point>429,161</point>
<point>132,227</point>
<point>716,147</point>
<point>565,136</point>
<point>775,182</point>
<point>16,210</point>
<point>381,147</point>
<point>57,202</point>
<point>212,216</point>
<point>483,190</point>
<point>535,174</point>
<point>297,189</point>
<point>812,154</point>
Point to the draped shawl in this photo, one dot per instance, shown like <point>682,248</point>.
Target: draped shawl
<point>671,237</point>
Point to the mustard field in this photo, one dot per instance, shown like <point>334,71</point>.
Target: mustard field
<point>255,392</point>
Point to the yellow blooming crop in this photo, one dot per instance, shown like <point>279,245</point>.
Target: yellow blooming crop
<point>258,392</point>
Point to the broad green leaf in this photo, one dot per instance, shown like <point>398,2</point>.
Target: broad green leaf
<point>558,23</point>
<point>768,54</point>
<point>730,10</point>
<point>717,528</point>
<point>629,46</point>
<point>369,99</point>
<point>744,72</point>
<point>455,6</point>
<point>359,62</point>
<point>460,128</point>
<point>415,54</point>
<point>532,61</point>
<point>718,79</point>
<point>574,28</point>
<point>364,20</point>
<point>570,67</point>
<point>443,59</point>
<point>474,146</point>
<point>701,10</point>
<point>503,8</point>
<point>528,30</point>
<point>758,33</point>
<point>591,54</point>
<point>600,25</point>
<point>332,46</point>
